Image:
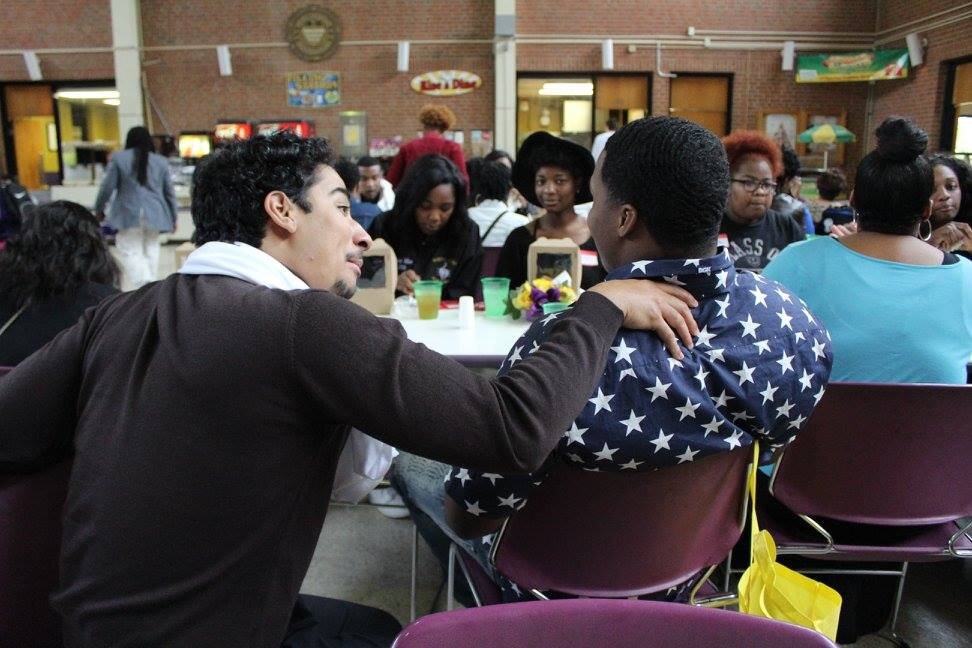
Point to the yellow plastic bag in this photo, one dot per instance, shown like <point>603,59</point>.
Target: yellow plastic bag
<point>770,590</point>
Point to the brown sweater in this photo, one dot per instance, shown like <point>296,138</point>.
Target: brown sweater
<point>207,415</point>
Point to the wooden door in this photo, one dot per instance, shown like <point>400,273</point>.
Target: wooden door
<point>30,108</point>
<point>703,100</point>
<point>30,148</point>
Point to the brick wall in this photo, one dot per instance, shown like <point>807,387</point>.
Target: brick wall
<point>638,17</point>
<point>922,95</point>
<point>191,95</point>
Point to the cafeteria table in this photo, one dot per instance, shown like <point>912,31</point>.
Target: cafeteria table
<point>485,345</point>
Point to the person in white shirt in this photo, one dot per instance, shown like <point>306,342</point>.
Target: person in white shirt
<point>601,138</point>
<point>490,187</point>
<point>373,187</point>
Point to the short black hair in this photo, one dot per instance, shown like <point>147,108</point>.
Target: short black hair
<point>424,175</point>
<point>831,183</point>
<point>368,161</point>
<point>675,173</point>
<point>964,174</point>
<point>498,154</point>
<point>348,171</point>
<point>791,164</point>
<point>894,182</point>
<point>57,248</point>
<point>228,193</point>
<point>473,167</point>
<point>494,182</point>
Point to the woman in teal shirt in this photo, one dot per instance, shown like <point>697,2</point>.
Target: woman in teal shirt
<point>898,310</point>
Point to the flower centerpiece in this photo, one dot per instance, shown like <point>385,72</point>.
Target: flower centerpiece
<point>532,295</point>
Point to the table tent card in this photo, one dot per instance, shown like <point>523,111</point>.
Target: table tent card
<point>549,257</point>
<point>379,274</point>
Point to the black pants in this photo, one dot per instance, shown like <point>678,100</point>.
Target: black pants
<point>319,622</point>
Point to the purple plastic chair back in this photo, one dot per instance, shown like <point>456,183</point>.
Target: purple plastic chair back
<point>626,534</point>
<point>490,259</point>
<point>30,545</point>
<point>895,455</point>
<point>602,623</point>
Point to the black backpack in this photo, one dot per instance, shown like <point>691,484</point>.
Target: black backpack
<point>834,216</point>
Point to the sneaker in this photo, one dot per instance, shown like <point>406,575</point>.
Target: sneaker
<point>388,502</point>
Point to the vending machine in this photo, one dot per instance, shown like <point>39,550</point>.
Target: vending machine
<point>303,127</point>
<point>228,130</point>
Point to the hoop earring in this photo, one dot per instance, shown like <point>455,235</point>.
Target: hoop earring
<point>925,237</point>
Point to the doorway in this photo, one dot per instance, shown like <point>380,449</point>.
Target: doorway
<point>705,99</point>
<point>29,113</point>
<point>956,131</point>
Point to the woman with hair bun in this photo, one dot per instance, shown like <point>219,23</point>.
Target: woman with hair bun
<point>436,120</point>
<point>898,309</point>
<point>756,233</point>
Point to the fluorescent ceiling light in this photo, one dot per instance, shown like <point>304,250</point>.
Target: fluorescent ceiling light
<point>111,102</point>
<point>87,94</point>
<point>564,89</point>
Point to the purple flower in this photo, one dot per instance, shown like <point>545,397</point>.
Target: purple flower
<point>553,294</point>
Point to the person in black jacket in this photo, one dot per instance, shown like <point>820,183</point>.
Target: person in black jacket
<point>54,267</point>
<point>554,174</point>
<point>430,229</point>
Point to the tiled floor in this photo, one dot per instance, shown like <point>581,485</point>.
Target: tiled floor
<point>365,557</point>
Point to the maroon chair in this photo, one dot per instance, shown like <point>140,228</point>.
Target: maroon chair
<point>599,623</point>
<point>880,473</point>
<point>490,259</point>
<point>623,534</point>
<point>30,546</point>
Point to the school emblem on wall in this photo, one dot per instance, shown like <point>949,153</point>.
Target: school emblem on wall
<point>313,32</point>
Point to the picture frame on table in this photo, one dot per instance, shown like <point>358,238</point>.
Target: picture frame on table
<point>782,126</point>
<point>815,118</point>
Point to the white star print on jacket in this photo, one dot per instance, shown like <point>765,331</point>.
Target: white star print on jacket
<point>759,366</point>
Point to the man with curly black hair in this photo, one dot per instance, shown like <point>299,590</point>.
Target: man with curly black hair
<point>206,413</point>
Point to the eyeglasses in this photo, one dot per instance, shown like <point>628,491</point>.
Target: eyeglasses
<point>751,185</point>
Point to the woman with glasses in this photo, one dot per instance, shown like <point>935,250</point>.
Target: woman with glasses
<point>756,233</point>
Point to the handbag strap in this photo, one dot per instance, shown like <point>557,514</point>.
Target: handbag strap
<point>753,524</point>
<point>493,224</point>
<point>12,319</point>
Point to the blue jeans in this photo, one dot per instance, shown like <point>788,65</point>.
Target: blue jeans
<point>420,482</point>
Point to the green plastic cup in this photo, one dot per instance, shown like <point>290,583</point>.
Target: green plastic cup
<point>428,294</point>
<point>496,292</point>
<point>554,307</point>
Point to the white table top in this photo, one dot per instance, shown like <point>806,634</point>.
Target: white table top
<point>485,345</point>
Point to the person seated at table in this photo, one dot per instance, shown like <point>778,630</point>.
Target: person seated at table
<point>899,310</point>
<point>436,120</point>
<point>787,200</point>
<point>207,413</point>
<point>55,267</point>
<point>555,174</point>
<point>430,230</point>
<point>363,212</point>
<point>756,232</point>
<point>951,215</point>
<point>830,184</point>
<point>759,365</point>
<point>490,212</point>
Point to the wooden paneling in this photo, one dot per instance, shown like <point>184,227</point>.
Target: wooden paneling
<point>28,101</point>
<point>703,100</point>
